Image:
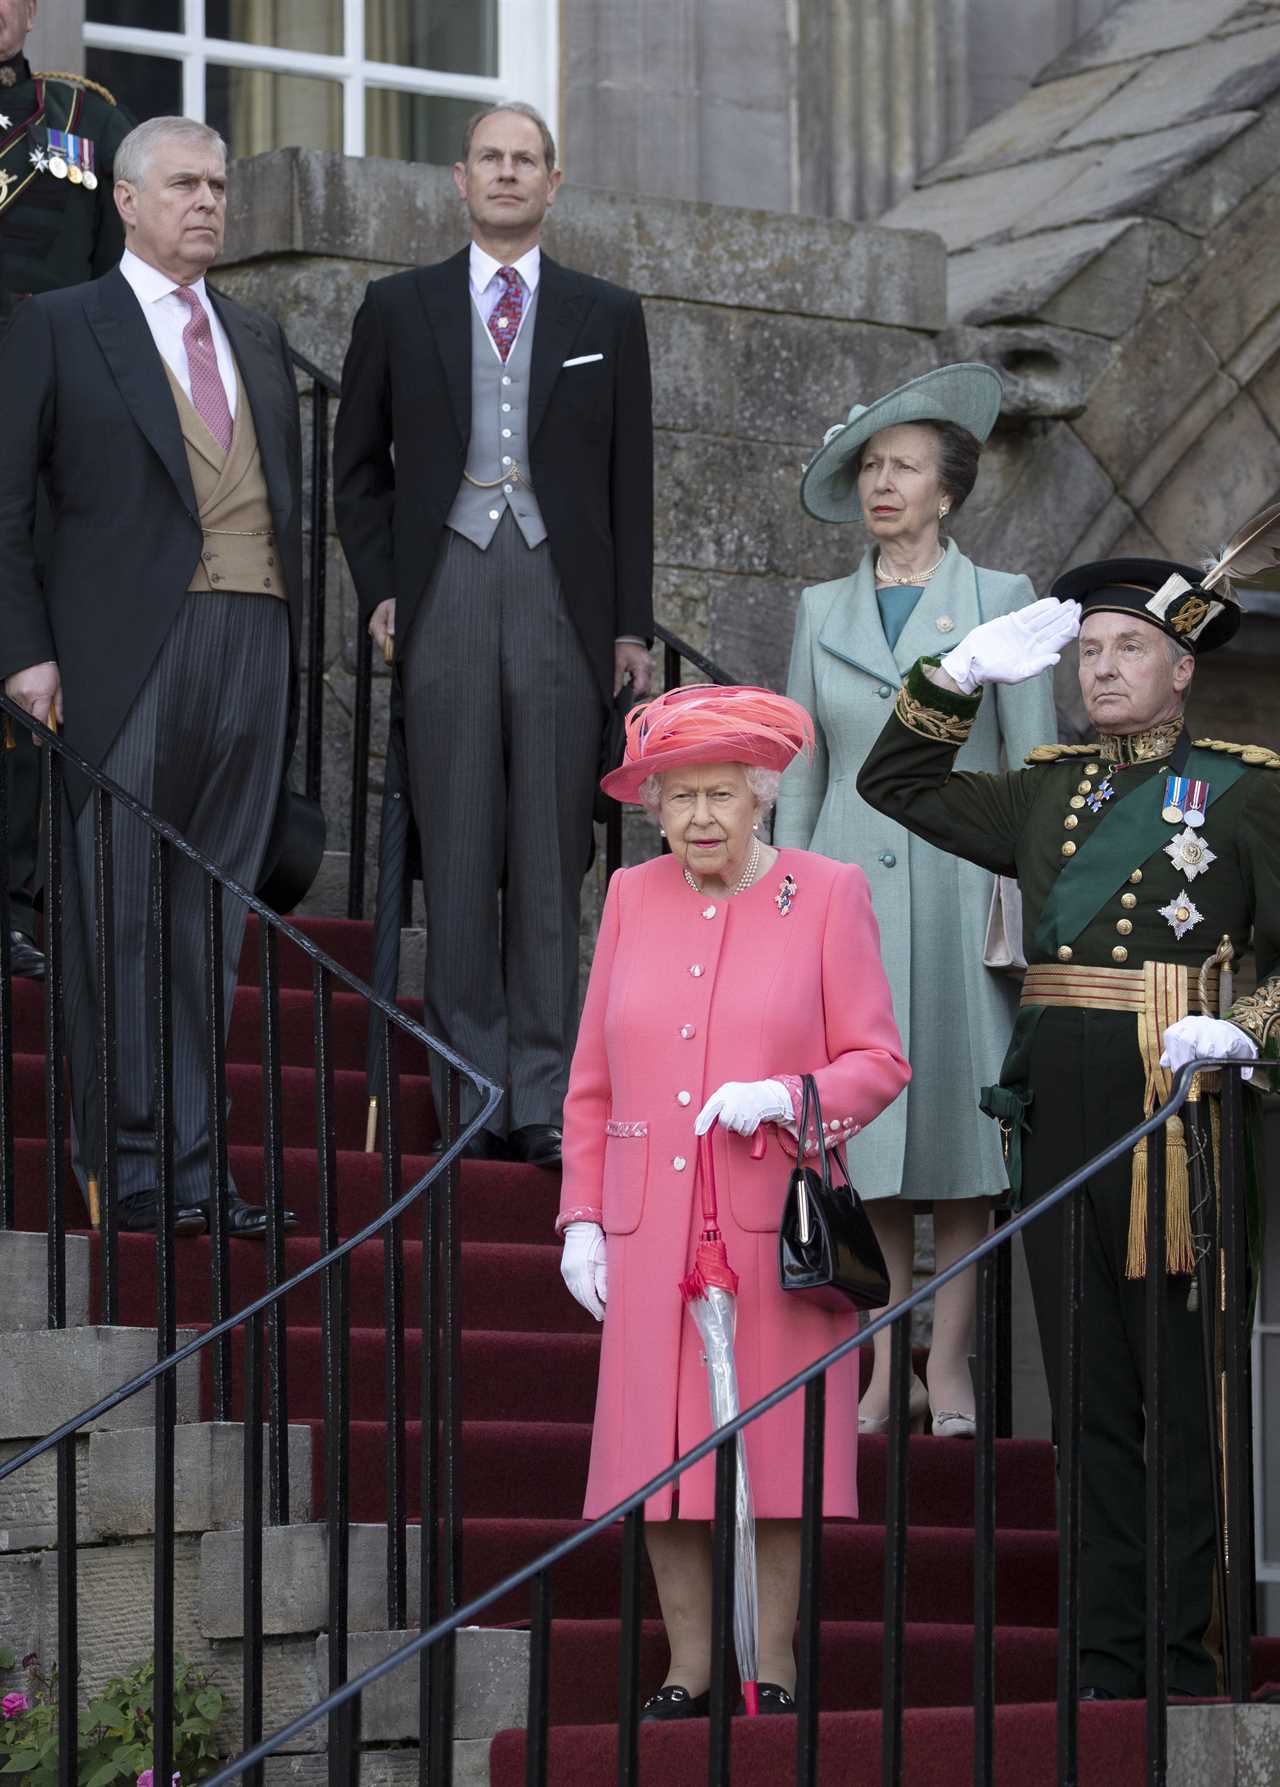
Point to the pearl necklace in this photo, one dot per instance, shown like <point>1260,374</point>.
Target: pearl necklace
<point>745,879</point>
<point>915,576</point>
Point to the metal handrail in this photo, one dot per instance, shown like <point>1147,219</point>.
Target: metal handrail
<point>719,1442</point>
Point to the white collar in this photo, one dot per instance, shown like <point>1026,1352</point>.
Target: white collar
<point>483,267</point>
<point>150,284</point>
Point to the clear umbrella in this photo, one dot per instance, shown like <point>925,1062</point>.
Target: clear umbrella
<point>711,1293</point>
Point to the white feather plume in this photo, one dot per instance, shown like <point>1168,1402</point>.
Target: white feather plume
<point>1252,549</point>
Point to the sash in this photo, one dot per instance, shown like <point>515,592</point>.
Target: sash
<point>1104,863</point>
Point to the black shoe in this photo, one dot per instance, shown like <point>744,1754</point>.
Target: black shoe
<point>674,1703</point>
<point>25,959</point>
<point>537,1145</point>
<point>140,1215</point>
<point>770,1698</point>
<point>1098,1694</point>
<point>249,1221</point>
<point>485,1145</point>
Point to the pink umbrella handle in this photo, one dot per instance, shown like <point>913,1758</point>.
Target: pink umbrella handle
<point>706,1167</point>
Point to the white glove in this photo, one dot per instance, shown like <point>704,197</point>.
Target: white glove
<point>744,1105</point>
<point>582,1266</point>
<point>1192,1039</point>
<point>1014,647</point>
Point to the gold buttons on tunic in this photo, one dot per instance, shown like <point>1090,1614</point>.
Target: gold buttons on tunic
<point>1076,801</point>
<point>1064,952</point>
<point>1119,953</point>
<point>1136,876</point>
<point>1091,769</point>
<point>1124,926</point>
<point>1069,848</point>
<point>1084,787</point>
<point>1128,901</point>
<point>1071,821</point>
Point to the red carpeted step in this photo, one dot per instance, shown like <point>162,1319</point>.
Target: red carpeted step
<point>937,1741</point>
<point>939,1572</point>
<point>937,1665</point>
<point>348,941</point>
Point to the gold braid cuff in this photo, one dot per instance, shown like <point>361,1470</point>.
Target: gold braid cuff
<point>929,722</point>
<point>1258,1013</point>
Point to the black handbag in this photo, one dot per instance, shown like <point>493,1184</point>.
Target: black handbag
<point>827,1249</point>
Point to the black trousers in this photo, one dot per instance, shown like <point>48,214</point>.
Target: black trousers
<point>1087,1077</point>
<point>22,770</point>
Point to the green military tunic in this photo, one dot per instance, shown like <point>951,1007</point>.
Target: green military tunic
<point>53,232</point>
<point>1106,883</point>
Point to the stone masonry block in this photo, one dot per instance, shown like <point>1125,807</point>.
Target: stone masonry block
<point>295,1570</point>
<point>208,1478</point>
<point>1226,74</point>
<point>1019,279</point>
<point>46,1378</point>
<point>1105,296</point>
<point>382,1768</point>
<point>1202,199</point>
<point>1158,369</point>
<point>1138,28</point>
<point>1230,470</point>
<point>20,1602</point>
<point>402,213</point>
<point>1037,123</point>
<point>491,1692</point>
<point>982,207</point>
<point>24,1292</point>
<point>1236,285</point>
<point>29,1500</point>
<point>1046,371</point>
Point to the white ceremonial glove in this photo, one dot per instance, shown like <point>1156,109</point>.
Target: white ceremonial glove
<point>582,1266</point>
<point>743,1105</point>
<point>1014,647</point>
<point>1192,1039</point>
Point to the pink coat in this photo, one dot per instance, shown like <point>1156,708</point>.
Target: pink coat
<point>685,993</point>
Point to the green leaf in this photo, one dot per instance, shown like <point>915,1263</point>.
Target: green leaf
<point>209,1704</point>
<point>104,1776</point>
<point>21,1759</point>
<point>7,1657</point>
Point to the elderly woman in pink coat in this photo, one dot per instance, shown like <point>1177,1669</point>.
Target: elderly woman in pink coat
<point>722,973</point>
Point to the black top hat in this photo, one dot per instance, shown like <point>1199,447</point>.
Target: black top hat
<point>1156,590</point>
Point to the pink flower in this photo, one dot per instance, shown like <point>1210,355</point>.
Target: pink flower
<point>13,1704</point>
<point>147,1779</point>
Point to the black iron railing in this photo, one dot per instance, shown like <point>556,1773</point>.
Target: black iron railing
<point>1222,1275</point>
<point>431,1203</point>
<point>322,388</point>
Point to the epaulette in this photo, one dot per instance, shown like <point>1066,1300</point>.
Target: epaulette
<point>1260,755</point>
<point>76,80</point>
<point>1051,753</point>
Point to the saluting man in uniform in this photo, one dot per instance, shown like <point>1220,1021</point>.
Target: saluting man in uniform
<point>1140,856</point>
<point>58,226</point>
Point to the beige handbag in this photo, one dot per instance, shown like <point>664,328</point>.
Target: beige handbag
<point>1002,946</point>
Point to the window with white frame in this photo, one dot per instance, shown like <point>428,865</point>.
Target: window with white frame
<point>367,77</point>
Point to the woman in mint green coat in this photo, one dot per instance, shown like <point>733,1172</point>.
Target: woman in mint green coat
<point>903,465</point>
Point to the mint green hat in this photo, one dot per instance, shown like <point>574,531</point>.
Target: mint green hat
<point>967,394</point>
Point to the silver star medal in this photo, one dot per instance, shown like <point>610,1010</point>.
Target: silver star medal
<point>1181,913</point>
<point>40,161</point>
<point>4,122</point>
<point>1190,853</point>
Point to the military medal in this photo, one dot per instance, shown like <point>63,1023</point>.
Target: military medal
<point>1184,801</point>
<point>1190,853</point>
<point>6,181</point>
<point>4,122</point>
<point>1102,792</point>
<point>1181,913</point>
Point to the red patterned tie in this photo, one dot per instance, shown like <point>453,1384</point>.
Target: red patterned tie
<point>208,392</point>
<point>504,318</point>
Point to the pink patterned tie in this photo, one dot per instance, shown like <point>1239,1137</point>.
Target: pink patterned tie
<point>208,392</point>
<point>504,318</point>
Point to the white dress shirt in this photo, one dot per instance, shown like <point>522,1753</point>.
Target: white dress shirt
<point>487,288</point>
<point>167,316</point>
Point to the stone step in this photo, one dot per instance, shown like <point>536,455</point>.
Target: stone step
<point>295,1578</point>
<point>24,1281</point>
<point>208,1478</point>
<point>491,1691</point>
<point>48,1376</point>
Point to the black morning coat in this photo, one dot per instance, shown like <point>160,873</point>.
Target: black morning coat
<point>407,382</point>
<point>86,402</point>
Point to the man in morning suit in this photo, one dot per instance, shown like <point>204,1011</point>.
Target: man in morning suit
<point>164,422</point>
<point>1146,860</point>
<point>58,226</point>
<point>493,476</point>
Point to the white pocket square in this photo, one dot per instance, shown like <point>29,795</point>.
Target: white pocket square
<point>583,360</point>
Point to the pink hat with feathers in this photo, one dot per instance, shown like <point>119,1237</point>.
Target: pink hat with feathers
<point>706,723</point>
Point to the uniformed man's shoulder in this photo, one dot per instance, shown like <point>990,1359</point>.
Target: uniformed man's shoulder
<point>77,80</point>
<point>1257,756</point>
<point>1059,753</point>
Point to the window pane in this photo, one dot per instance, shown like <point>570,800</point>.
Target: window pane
<point>256,110</point>
<point>151,15</point>
<point>147,86</point>
<point>415,126</point>
<point>455,36</point>
<point>284,24</point>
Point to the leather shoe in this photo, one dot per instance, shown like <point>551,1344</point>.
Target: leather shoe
<point>770,1698</point>
<point>485,1145</point>
<point>537,1145</point>
<point>674,1702</point>
<point>249,1221</point>
<point>1098,1694</point>
<point>25,959</point>
<point>140,1215</point>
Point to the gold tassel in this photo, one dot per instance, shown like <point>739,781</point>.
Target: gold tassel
<point>94,1201</point>
<point>1180,1254</point>
<point>371,1128</point>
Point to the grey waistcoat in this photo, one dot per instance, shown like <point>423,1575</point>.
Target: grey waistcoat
<point>491,451</point>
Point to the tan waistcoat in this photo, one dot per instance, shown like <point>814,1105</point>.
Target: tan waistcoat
<point>239,551</point>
